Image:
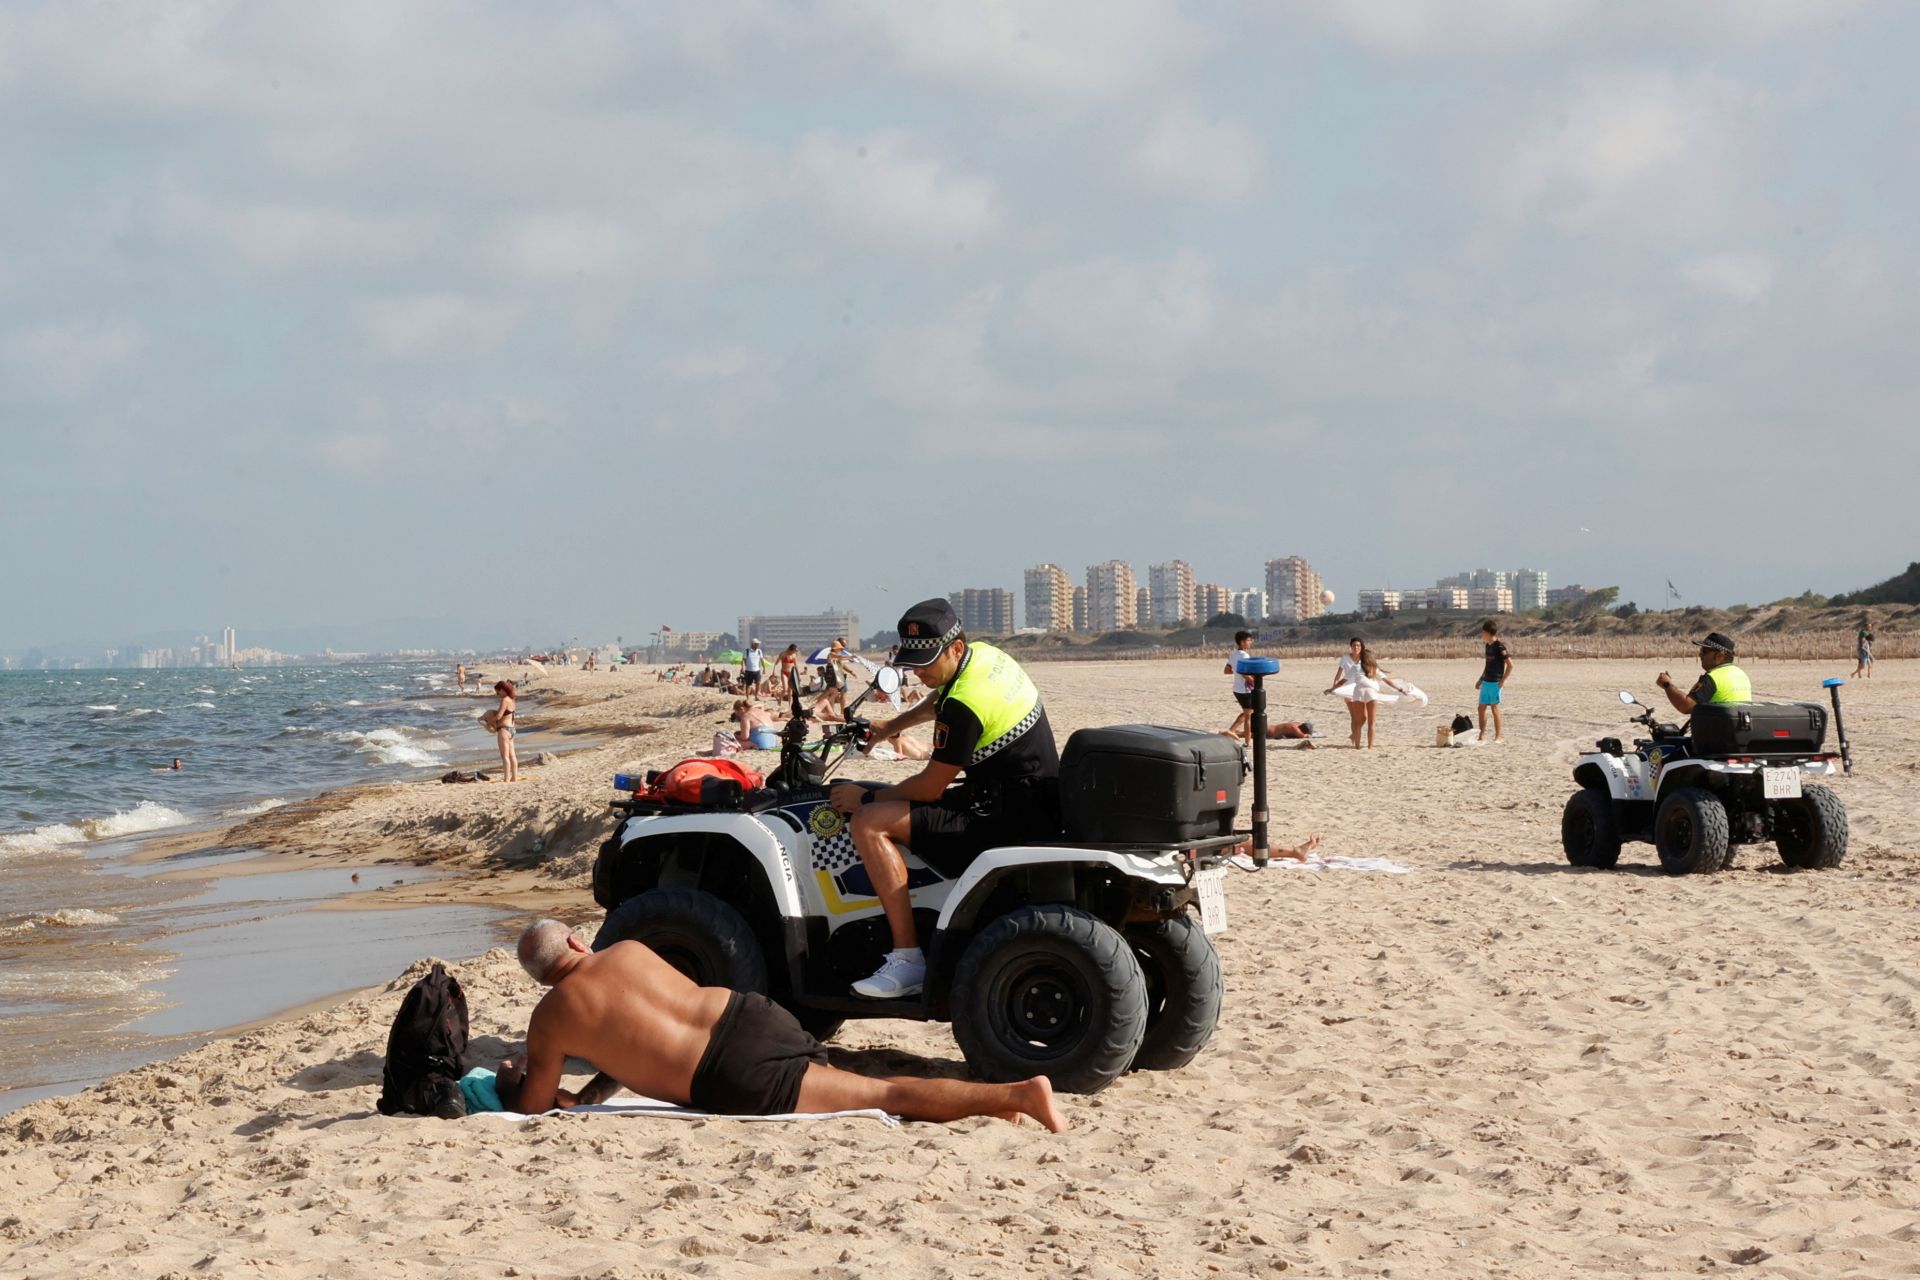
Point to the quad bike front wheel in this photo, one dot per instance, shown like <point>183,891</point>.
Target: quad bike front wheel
<point>1690,832</point>
<point>1811,832</point>
<point>1050,990</point>
<point>1588,834</point>
<point>1182,973</point>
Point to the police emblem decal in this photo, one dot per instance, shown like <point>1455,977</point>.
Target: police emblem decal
<point>939,737</point>
<point>826,822</point>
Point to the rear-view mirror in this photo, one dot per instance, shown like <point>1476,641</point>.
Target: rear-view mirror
<point>1626,697</point>
<point>888,680</point>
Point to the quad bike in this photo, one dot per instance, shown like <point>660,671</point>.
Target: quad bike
<point>1740,777</point>
<point>1078,960</point>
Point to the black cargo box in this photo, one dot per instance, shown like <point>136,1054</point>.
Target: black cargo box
<point>1149,784</point>
<point>1758,728</point>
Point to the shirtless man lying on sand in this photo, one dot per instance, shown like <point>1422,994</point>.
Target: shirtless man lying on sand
<point>647,1028</point>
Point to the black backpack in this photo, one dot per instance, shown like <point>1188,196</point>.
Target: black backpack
<point>1462,723</point>
<point>427,1050</point>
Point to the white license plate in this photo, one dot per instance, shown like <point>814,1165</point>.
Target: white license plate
<point>1212,885</point>
<point>1780,784</point>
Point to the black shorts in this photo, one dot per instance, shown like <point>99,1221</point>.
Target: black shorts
<point>752,678</point>
<point>949,833</point>
<point>755,1060</point>
<point>1245,700</point>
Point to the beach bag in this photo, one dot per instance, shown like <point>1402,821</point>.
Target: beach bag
<point>490,721</point>
<point>710,782</point>
<point>427,1051</point>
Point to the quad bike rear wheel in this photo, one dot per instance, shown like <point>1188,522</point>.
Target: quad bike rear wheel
<point>695,932</point>
<point>1050,990</point>
<point>1811,832</point>
<point>1182,973</point>
<point>1690,832</point>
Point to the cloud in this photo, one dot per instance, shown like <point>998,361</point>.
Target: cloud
<point>1420,29</point>
<point>432,326</point>
<point>66,361</point>
<point>1644,150</point>
<point>888,187</point>
<point>285,237</point>
<point>1062,49</point>
<point>1187,154</point>
<point>1742,277</point>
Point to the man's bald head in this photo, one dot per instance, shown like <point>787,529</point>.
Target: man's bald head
<point>542,947</point>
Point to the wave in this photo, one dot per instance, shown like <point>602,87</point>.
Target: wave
<point>144,711</point>
<point>103,706</point>
<point>393,746</point>
<point>296,728</point>
<point>43,983</point>
<point>208,705</point>
<point>249,810</point>
<point>143,817</point>
<point>203,691</point>
<point>67,918</point>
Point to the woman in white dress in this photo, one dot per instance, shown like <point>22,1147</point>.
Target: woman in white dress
<point>1350,681</point>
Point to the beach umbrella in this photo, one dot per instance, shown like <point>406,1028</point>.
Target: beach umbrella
<point>727,655</point>
<point>818,657</point>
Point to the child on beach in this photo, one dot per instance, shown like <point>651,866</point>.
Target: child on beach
<point>1863,648</point>
<point>1242,688</point>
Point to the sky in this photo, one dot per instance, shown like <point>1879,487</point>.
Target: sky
<point>500,323</point>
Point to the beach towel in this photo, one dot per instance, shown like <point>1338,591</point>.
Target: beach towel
<point>634,1105</point>
<point>1318,862</point>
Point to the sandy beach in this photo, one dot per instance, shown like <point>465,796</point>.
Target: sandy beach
<point>1494,1065</point>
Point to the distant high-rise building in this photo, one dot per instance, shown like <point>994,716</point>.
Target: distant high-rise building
<point>1210,598</point>
<point>1172,590</point>
<point>1142,606</point>
<point>1529,589</point>
<point>775,631</point>
<point>231,643</point>
<point>1080,611</point>
<point>984,611</point>
<point>1111,597</point>
<point>1249,602</point>
<point>1049,598</point>
<point>1485,579</point>
<point>1293,590</point>
<point>1490,599</point>
<point>1378,600</point>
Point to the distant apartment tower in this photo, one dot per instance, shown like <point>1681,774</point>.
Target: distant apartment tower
<point>1293,589</point>
<point>775,631</point>
<point>1572,593</point>
<point>1249,602</point>
<point>1210,598</point>
<point>984,611</point>
<point>1490,599</point>
<point>1172,588</point>
<point>1079,608</point>
<point>1529,589</point>
<point>230,642</point>
<point>1049,598</point>
<point>1112,597</point>
<point>1378,600</point>
<point>1142,606</point>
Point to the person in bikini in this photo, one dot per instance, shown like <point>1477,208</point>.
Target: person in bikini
<point>646,1027</point>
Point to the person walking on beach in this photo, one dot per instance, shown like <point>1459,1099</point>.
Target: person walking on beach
<point>504,729</point>
<point>460,677</point>
<point>1863,651</point>
<point>750,669</point>
<point>1493,676</point>
<point>1350,675</point>
<point>1242,687</point>
<point>646,1027</point>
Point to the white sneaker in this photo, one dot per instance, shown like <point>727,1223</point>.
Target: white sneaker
<point>902,974</point>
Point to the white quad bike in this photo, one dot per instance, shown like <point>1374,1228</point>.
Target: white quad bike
<point>1739,778</point>
<point>1079,962</point>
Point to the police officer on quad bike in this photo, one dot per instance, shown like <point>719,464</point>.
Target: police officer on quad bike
<point>1722,681</point>
<point>988,721</point>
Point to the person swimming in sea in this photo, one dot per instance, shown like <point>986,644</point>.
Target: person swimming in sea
<point>175,767</point>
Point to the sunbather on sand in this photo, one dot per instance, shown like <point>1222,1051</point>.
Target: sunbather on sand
<point>648,1028</point>
<point>1291,852</point>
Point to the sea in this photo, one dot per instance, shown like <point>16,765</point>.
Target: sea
<point>108,960</point>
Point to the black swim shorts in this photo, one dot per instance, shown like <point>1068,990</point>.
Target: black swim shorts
<point>754,1060</point>
<point>1245,700</point>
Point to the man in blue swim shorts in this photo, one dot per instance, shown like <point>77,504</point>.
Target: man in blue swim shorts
<point>1493,676</point>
